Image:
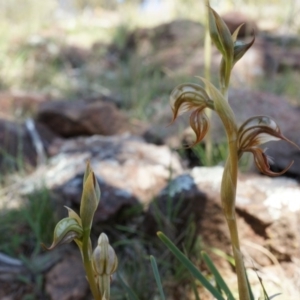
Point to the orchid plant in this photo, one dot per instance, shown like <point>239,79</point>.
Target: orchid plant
<point>245,138</point>
<point>101,263</point>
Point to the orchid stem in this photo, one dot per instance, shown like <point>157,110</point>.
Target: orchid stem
<point>88,265</point>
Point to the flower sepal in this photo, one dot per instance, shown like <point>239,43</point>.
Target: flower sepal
<point>255,132</point>
<point>66,230</point>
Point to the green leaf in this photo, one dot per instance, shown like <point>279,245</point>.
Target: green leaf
<point>194,287</point>
<point>249,288</point>
<point>190,266</point>
<point>157,277</point>
<point>217,276</point>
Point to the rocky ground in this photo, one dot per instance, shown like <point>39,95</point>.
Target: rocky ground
<point>142,175</point>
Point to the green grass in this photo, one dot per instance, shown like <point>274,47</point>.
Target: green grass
<point>285,84</point>
<point>134,245</point>
<point>24,228</point>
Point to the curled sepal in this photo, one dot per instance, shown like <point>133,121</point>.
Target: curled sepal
<point>188,96</point>
<point>199,122</point>
<point>220,34</point>
<point>66,230</point>
<point>262,162</point>
<point>257,131</point>
<point>89,200</point>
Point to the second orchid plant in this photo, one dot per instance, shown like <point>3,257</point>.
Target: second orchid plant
<point>245,138</point>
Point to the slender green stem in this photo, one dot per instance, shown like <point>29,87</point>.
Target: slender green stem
<point>239,263</point>
<point>228,194</point>
<point>87,261</point>
<point>228,197</point>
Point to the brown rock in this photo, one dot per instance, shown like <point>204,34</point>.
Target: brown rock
<point>268,220</point>
<point>268,205</point>
<point>113,199</point>
<point>127,169</point>
<point>22,145</point>
<point>234,19</point>
<point>146,41</point>
<point>12,137</point>
<point>66,281</point>
<point>126,162</point>
<point>19,103</point>
<point>77,118</point>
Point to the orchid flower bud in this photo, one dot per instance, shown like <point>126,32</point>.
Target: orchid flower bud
<point>105,263</point>
<point>220,34</point>
<point>90,198</point>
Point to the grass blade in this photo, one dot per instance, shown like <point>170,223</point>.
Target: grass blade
<point>220,281</point>
<point>157,277</point>
<point>189,265</point>
<point>249,288</point>
<point>275,295</point>
<point>130,293</point>
<point>194,287</point>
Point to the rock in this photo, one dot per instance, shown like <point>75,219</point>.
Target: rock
<point>264,203</point>
<point>66,281</point>
<point>234,19</point>
<point>82,118</point>
<point>145,41</point>
<point>126,166</point>
<point>267,213</point>
<point>23,145</point>
<point>127,162</point>
<point>165,48</point>
<point>113,200</point>
<point>174,205</point>
<point>18,103</point>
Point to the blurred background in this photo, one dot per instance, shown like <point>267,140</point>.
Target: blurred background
<point>91,79</point>
<point>62,49</point>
